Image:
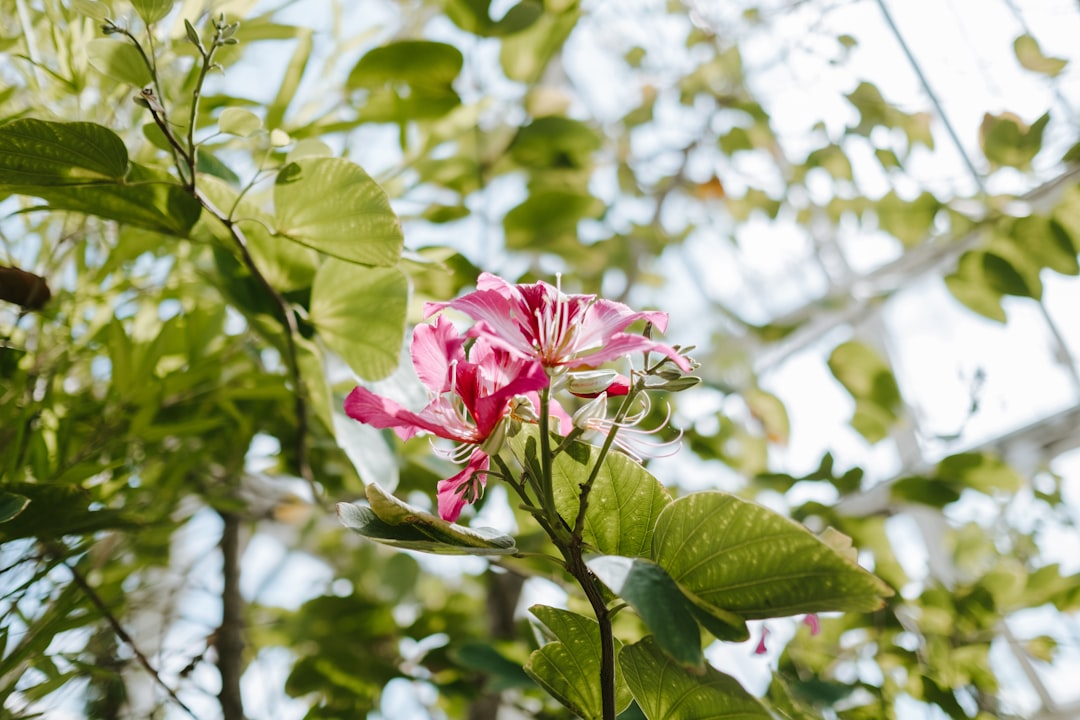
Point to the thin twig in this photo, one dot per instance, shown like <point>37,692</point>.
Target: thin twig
<point>125,638</point>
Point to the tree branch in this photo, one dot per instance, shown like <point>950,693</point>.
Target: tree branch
<point>229,639</point>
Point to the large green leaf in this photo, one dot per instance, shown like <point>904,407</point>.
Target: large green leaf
<point>393,522</point>
<point>285,265</point>
<point>555,142</point>
<point>475,16</point>
<point>667,692</point>
<point>624,502</point>
<point>148,199</point>
<point>740,557</point>
<point>332,205</point>
<point>360,313</point>
<point>569,668</point>
<point>970,286</point>
<point>37,153</point>
<point>659,602</point>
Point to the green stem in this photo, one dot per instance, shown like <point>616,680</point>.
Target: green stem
<point>586,487</point>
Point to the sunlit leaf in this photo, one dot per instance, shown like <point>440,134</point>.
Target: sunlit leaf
<point>870,381</point>
<point>667,692</point>
<point>360,314</point>
<point>741,557</point>
<point>152,10</point>
<point>332,205</point>
<point>570,667</point>
<point>659,602</point>
<point>1032,58</point>
<point>1008,140</point>
<point>624,502</point>
<point>393,522</point>
<point>238,121</point>
<point>969,285</point>
<point>979,471</point>
<point>118,60</point>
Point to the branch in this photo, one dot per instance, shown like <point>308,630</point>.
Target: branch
<point>125,637</point>
<point>229,639</point>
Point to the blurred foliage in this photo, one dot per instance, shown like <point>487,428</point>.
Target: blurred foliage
<point>140,390</point>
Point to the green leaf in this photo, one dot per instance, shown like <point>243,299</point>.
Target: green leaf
<point>407,80</point>
<point>91,8</point>
<point>1008,141</point>
<point>390,521</point>
<point>53,510</point>
<point>118,60</point>
<point>870,381</point>
<point>418,63</point>
<point>238,121</point>
<point>909,222</point>
<point>152,10</point>
<point>1003,277</point>
<point>1045,242</point>
<point>332,205</point>
<point>970,286</point>
<point>659,602</point>
<point>360,314</point>
<point>555,142</point>
<point>547,218</point>
<point>40,153</point>
<point>11,504</point>
<point>734,555</point>
<point>286,265</point>
<point>979,471</point>
<point>525,54</point>
<point>624,503</point>
<point>569,668</point>
<point>664,691</point>
<point>474,16</point>
<point>149,199</point>
<point>1031,57</point>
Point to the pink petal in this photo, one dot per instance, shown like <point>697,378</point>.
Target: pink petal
<point>607,317</point>
<point>377,411</point>
<point>623,344</point>
<point>497,316</point>
<point>451,492</point>
<point>434,349</point>
<point>812,622</point>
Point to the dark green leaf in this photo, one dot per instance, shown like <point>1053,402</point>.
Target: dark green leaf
<point>39,153</point>
<point>570,667</point>
<point>667,692</point>
<point>979,471</point>
<point>659,602</point>
<point>417,63</point>
<point>11,504</point>
<point>734,555</point>
<point>332,205</point>
<point>970,286</point>
<point>148,199</point>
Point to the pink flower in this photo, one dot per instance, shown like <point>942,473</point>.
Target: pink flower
<point>470,396</point>
<point>560,331</point>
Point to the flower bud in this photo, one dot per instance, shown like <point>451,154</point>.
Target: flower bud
<point>595,409</point>
<point>590,383</point>
<point>521,409</point>
<point>494,441</point>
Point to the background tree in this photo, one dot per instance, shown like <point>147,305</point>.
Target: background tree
<point>185,309</point>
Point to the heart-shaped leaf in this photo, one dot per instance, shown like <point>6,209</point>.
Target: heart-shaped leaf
<point>569,668</point>
<point>664,691</point>
<point>737,556</point>
<point>332,205</point>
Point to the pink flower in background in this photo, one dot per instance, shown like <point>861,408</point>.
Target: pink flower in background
<point>470,396</point>
<point>539,321</point>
